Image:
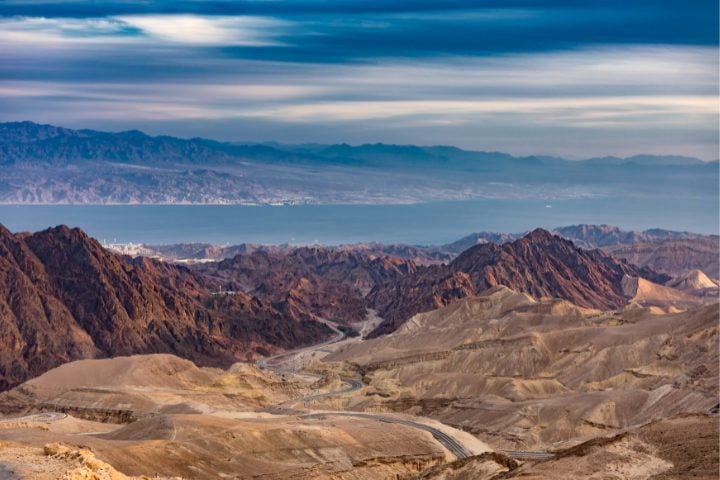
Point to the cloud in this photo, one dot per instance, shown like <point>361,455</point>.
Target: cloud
<point>610,90</point>
<point>516,75</point>
<point>204,30</point>
<point>24,32</point>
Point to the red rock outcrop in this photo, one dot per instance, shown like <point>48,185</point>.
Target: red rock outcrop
<point>310,282</point>
<point>540,264</point>
<point>63,297</point>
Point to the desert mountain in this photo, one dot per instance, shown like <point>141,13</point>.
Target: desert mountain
<point>530,374</point>
<point>675,257</point>
<point>49,164</point>
<point>63,297</point>
<point>540,264</point>
<point>586,236</point>
<point>310,282</point>
<point>694,280</point>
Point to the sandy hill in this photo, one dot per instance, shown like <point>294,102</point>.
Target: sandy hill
<point>694,280</point>
<point>646,293</point>
<point>536,374</point>
<point>123,389</point>
<point>162,414</point>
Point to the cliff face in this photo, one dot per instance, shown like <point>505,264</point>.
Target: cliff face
<point>63,297</point>
<point>540,264</point>
<point>310,282</point>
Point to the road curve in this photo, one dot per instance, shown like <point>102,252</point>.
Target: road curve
<point>455,447</point>
<point>36,418</point>
<point>528,455</point>
<point>271,363</point>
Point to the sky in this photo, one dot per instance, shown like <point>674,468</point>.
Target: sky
<point>554,77</point>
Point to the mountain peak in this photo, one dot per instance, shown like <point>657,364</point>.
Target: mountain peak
<point>541,235</point>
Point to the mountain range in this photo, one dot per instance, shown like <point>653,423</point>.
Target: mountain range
<point>540,264</point>
<point>671,252</point>
<point>65,297</point>
<point>54,165</point>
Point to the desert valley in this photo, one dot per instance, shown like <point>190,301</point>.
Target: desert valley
<point>359,240</point>
<point>530,357</point>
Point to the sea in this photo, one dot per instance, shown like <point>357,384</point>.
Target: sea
<point>430,223</point>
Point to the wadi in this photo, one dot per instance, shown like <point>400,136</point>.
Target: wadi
<point>506,360</point>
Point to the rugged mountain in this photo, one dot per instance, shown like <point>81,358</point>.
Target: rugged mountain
<point>310,282</point>
<point>665,251</point>
<point>675,257</point>
<point>420,255</point>
<point>63,297</point>
<point>540,264</point>
<point>473,239</point>
<point>584,235</point>
<point>48,164</point>
<point>596,236</point>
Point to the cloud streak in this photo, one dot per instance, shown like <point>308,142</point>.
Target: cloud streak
<point>555,77</point>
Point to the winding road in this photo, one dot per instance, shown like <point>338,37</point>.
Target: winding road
<point>274,363</point>
<point>453,445</point>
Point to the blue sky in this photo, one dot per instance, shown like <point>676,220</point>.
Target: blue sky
<point>571,78</point>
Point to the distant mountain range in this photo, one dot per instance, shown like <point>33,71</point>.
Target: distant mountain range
<point>64,297</point>
<point>666,251</point>
<point>49,164</point>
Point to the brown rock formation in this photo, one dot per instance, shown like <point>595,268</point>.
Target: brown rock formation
<point>310,282</point>
<point>540,264</point>
<point>63,297</point>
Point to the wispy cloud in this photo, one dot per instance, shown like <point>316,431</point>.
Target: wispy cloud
<point>197,30</point>
<point>593,77</point>
<point>205,30</point>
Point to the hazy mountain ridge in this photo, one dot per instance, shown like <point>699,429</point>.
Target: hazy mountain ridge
<point>48,164</point>
<point>666,251</point>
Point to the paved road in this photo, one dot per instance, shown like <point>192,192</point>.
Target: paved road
<point>274,363</point>
<point>352,385</point>
<point>36,418</point>
<point>7,473</point>
<point>455,447</point>
<point>528,455</point>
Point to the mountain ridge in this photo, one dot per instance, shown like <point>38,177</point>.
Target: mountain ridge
<point>45,164</point>
<point>63,297</point>
<point>540,263</point>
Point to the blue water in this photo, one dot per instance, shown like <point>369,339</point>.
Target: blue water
<point>427,223</point>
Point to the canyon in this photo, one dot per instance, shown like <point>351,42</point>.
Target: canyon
<point>507,360</point>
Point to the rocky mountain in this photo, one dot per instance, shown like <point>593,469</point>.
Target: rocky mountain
<point>473,239</point>
<point>540,264</point>
<point>584,235</point>
<point>665,251</point>
<point>63,297</point>
<point>49,164</point>
<point>309,282</point>
<point>595,236</point>
<point>675,257</point>
<point>187,252</point>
